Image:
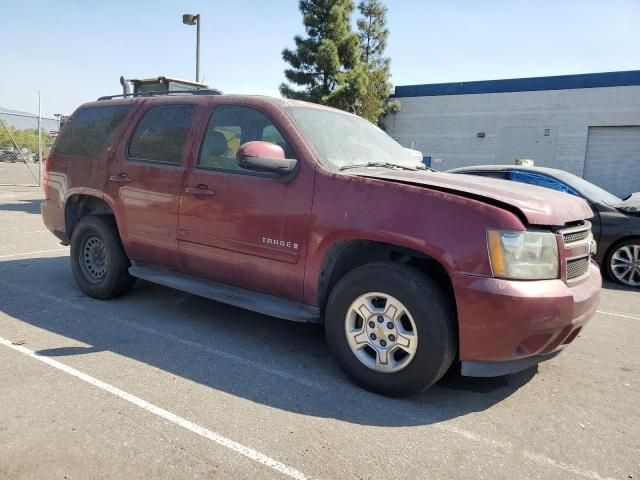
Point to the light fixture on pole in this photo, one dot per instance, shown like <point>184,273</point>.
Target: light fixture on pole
<point>189,19</point>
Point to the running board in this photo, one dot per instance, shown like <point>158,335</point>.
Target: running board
<point>236,296</point>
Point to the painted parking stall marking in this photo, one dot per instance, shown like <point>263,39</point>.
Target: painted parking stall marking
<point>618,315</point>
<point>29,254</point>
<point>160,412</point>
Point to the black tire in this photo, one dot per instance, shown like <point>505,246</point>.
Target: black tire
<point>631,242</point>
<point>431,310</point>
<point>113,279</point>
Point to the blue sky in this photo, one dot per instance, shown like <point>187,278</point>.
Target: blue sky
<point>75,51</point>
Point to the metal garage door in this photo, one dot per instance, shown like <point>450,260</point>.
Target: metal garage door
<point>613,159</point>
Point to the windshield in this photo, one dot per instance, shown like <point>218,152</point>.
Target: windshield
<point>342,140</point>
<point>589,190</point>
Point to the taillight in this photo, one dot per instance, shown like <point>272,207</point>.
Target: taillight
<point>45,175</point>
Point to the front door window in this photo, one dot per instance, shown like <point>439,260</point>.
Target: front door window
<point>231,126</point>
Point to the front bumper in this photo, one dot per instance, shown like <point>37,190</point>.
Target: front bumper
<point>474,368</point>
<point>506,326</point>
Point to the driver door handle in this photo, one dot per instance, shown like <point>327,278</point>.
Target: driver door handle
<point>120,178</point>
<point>200,190</point>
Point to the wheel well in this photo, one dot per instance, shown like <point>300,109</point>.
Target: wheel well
<point>622,240</point>
<point>79,206</point>
<point>617,243</point>
<point>345,256</point>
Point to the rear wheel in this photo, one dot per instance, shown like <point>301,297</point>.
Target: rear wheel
<point>622,263</point>
<point>99,263</point>
<point>391,328</point>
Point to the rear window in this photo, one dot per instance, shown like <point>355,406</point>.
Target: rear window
<point>87,131</point>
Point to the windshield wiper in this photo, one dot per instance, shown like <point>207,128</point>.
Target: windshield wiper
<point>378,164</point>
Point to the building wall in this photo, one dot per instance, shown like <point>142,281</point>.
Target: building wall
<point>445,127</point>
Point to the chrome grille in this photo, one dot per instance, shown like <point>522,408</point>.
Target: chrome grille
<point>577,267</point>
<point>572,237</point>
<point>578,246</point>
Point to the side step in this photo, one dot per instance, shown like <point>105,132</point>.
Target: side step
<point>220,292</point>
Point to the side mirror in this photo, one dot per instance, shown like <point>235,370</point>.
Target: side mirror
<point>265,157</point>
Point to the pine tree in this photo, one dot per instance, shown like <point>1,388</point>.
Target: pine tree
<point>373,32</point>
<point>374,103</point>
<point>326,64</point>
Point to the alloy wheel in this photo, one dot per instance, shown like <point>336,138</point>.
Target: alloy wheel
<point>625,265</point>
<point>381,332</point>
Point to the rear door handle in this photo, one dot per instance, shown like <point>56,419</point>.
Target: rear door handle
<point>200,191</point>
<point>120,178</point>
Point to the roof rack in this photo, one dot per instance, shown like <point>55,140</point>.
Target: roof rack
<point>204,91</point>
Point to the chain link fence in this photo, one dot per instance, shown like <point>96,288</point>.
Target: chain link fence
<point>25,139</point>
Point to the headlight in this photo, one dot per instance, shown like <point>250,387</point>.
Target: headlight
<point>523,255</point>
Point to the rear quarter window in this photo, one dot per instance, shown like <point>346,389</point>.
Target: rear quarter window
<point>87,131</point>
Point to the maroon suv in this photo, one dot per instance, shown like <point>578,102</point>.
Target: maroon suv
<point>315,215</point>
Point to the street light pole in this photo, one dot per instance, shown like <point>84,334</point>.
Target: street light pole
<point>39,140</point>
<point>189,19</point>
<point>198,49</point>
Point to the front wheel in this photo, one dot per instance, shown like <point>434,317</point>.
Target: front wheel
<point>391,328</point>
<point>99,263</point>
<point>622,263</point>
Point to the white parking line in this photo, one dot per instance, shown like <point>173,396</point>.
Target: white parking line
<point>27,254</point>
<point>542,459</point>
<point>171,417</point>
<point>507,448</point>
<point>618,315</point>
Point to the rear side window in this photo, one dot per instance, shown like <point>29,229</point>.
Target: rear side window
<point>161,134</point>
<point>87,131</point>
<point>541,181</point>
<point>484,173</point>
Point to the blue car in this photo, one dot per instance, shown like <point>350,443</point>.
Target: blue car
<point>615,221</point>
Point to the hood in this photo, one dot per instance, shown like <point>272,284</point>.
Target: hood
<point>538,205</point>
<point>631,204</point>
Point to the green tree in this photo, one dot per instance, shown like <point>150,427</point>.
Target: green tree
<point>373,32</point>
<point>325,65</point>
<point>25,138</point>
<point>374,103</point>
